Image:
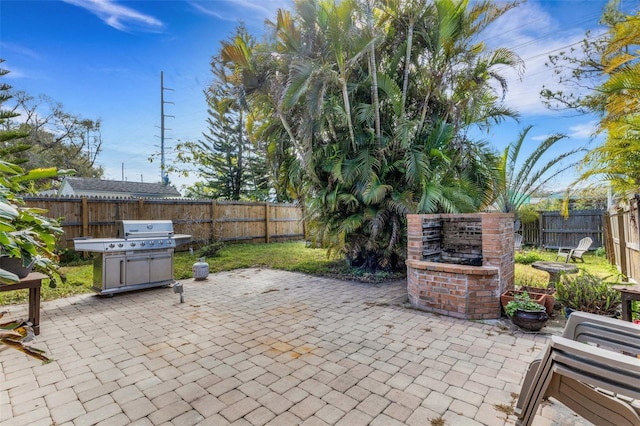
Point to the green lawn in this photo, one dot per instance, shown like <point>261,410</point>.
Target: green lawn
<point>290,256</point>
<point>526,275</point>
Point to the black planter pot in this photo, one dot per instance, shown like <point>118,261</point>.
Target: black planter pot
<point>14,265</point>
<point>530,320</point>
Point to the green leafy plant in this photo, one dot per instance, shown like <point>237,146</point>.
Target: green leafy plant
<point>527,257</point>
<point>528,213</point>
<point>25,233</point>
<point>523,302</point>
<point>589,293</point>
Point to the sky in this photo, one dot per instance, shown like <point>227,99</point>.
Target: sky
<point>102,59</point>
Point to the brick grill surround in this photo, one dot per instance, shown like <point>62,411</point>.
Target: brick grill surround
<point>460,290</point>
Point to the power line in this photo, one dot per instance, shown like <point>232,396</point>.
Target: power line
<point>543,36</point>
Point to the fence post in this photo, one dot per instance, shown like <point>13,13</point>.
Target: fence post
<point>212,235</point>
<point>622,241</point>
<point>541,231</point>
<point>303,221</point>
<point>607,237</point>
<point>85,217</point>
<point>266,222</point>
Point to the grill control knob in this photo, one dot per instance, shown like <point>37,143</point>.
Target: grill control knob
<point>133,244</point>
<point>112,245</point>
<point>120,244</point>
<point>142,244</point>
<point>152,243</point>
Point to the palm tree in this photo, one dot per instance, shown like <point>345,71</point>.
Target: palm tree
<point>375,97</point>
<point>516,180</point>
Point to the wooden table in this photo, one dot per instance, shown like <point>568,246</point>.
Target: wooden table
<point>555,269</point>
<point>33,282</point>
<point>628,295</point>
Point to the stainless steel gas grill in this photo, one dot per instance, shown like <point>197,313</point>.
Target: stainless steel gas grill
<point>140,257</point>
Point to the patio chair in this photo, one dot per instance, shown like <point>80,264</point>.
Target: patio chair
<point>605,332</point>
<point>597,382</point>
<point>577,252</point>
<point>598,330</point>
<point>517,242</point>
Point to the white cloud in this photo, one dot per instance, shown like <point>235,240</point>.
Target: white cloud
<point>533,34</point>
<point>583,131</point>
<point>20,50</point>
<point>578,131</point>
<point>118,16</point>
<point>234,10</point>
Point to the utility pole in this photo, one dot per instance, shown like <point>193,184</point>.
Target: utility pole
<point>163,174</point>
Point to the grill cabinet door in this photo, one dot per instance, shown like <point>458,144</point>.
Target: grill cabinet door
<point>137,269</point>
<point>113,275</point>
<point>161,267</point>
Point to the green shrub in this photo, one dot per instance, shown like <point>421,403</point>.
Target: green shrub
<point>211,249</point>
<point>527,257</point>
<point>528,214</point>
<point>70,257</point>
<point>589,293</point>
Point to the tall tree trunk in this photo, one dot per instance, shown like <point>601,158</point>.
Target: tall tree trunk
<point>347,110</point>
<point>407,63</point>
<point>374,76</point>
<point>239,166</point>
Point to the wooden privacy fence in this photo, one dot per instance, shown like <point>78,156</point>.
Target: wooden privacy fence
<point>623,249</point>
<point>203,219</point>
<point>552,231</point>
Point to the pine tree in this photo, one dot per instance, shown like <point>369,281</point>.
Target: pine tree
<point>231,165</point>
<point>11,138</point>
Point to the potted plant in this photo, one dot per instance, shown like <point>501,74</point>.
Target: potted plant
<point>542,298</point>
<point>27,238</point>
<point>549,300</point>
<point>526,313</point>
<point>588,293</point>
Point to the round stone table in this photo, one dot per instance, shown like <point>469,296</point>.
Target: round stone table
<point>555,269</point>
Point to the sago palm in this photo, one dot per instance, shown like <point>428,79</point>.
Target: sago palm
<point>519,178</point>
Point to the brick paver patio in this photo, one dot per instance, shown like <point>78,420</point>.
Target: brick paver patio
<point>255,347</point>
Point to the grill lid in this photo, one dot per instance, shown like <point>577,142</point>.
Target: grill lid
<point>145,228</point>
